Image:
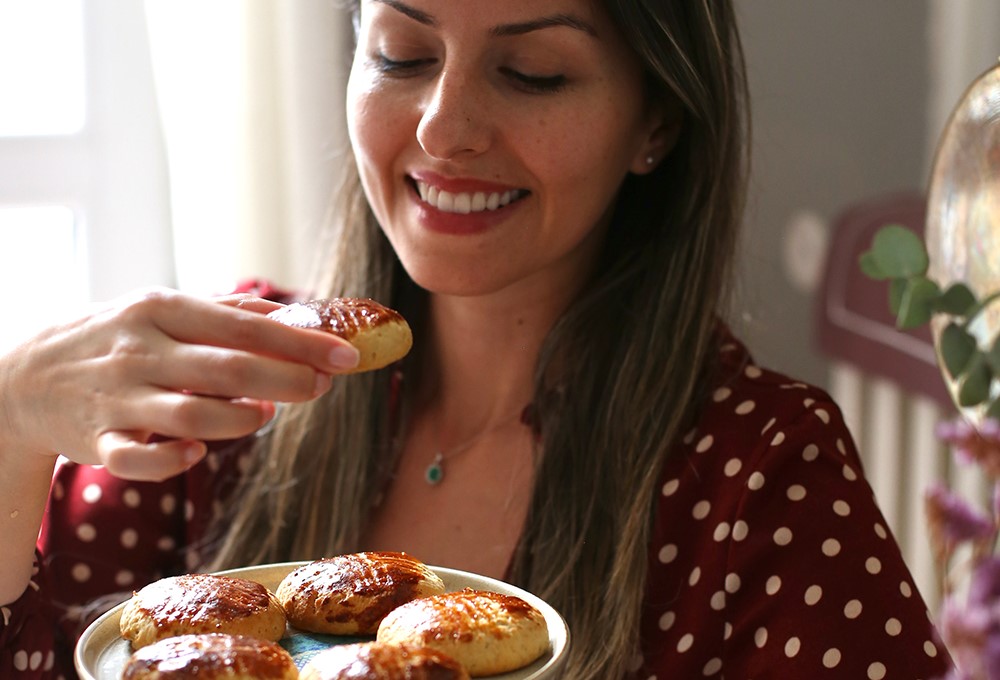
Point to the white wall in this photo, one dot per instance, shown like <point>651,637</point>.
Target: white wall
<point>849,98</point>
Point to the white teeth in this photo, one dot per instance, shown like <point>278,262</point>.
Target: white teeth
<point>465,203</point>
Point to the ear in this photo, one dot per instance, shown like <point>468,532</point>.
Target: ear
<point>665,122</point>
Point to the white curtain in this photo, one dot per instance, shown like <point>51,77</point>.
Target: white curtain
<point>251,98</point>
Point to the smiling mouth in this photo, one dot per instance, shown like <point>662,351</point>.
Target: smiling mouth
<point>464,203</point>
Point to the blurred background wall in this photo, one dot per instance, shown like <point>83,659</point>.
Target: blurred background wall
<point>205,138</point>
<point>849,99</point>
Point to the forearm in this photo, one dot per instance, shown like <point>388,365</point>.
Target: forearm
<point>24,488</point>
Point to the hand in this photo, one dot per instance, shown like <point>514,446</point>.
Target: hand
<point>187,370</point>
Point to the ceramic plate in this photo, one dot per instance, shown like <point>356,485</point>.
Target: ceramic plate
<point>101,653</point>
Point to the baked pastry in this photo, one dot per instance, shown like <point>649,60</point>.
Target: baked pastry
<point>381,335</point>
<point>486,632</point>
<point>380,661</point>
<point>201,603</point>
<point>350,594</point>
<point>210,656</point>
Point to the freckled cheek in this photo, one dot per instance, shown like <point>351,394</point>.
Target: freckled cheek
<point>378,140</point>
<point>570,156</point>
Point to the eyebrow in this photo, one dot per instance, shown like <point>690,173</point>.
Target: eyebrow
<point>503,30</point>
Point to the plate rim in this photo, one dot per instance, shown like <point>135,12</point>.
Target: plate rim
<point>558,629</point>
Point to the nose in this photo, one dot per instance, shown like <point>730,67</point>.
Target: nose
<point>453,123</point>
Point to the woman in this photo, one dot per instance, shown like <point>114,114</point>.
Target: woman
<point>549,190</point>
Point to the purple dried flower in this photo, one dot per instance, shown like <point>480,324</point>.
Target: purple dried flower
<point>969,443</point>
<point>990,428</point>
<point>953,521</point>
<point>984,588</point>
<point>991,653</point>
<point>965,631</point>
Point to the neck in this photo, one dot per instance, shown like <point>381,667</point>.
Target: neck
<point>480,360</point>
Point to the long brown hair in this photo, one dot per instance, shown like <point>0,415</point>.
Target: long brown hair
<point>619,377</point>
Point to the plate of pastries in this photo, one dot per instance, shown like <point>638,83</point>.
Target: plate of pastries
<point>359,616</point>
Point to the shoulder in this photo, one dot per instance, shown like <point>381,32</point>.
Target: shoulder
<point>751,412</point>
<point>765,526</point>
<point>758,431</point>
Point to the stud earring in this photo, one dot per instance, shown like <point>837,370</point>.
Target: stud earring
<point>650,160</point>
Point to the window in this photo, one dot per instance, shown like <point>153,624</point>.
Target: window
<point>83,191</point>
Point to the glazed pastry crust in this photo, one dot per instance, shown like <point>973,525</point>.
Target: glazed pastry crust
<point>350,594</point>
<point>212,656</point>
<point>201,603</point>
<point>488,633</point>
<point>381,335</point>
<point>378,661</point>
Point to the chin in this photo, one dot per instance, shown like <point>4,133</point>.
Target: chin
<point>457,281</point>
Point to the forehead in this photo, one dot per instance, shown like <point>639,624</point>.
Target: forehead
<point>472,15</point>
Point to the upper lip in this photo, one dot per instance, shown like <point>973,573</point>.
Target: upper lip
<point>460,184</point>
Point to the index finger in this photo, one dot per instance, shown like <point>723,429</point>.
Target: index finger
<point>197,321</point>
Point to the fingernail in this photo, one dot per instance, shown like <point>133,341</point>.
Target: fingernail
<point>344,357</point>
<point>267,411</point>
<point>323,382</point>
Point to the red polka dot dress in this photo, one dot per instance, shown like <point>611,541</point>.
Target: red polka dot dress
<point>768,559</point>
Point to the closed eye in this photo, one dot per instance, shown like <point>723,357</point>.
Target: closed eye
<point>533,83</point>
<point>399,67</point>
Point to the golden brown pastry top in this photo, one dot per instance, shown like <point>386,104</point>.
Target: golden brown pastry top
<point>208,656</point>
<point>365,573</point>
<point>345,317</point>
<point>453,615</point>
<point>202,597</point>
<point>378,661</point>
<point>388,579</point>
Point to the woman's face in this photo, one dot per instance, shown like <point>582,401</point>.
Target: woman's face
<point>492,136</point>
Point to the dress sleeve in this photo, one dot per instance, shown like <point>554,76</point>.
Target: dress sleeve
<point>817,586</point>
<point>769,557</point>
<point>101,538</point>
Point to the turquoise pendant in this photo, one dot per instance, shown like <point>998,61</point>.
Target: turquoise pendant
<point>435,472</point>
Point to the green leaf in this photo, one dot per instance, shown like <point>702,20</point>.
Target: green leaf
<point>917,304</point>
<point>957,300</point>
<point>993,356</point>
<point>957,347</point>
<point>897,290</point>
<point>870,267</point>
<point>974,388</point>
<point>898,252</point>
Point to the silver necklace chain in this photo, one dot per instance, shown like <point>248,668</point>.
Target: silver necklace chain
<point>434,473</point>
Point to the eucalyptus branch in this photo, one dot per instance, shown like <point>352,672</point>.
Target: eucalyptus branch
<point>980,308</point>
<point>899,256</point>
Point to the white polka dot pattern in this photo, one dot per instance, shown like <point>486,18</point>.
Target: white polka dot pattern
<point>105,535</point>
<point>772,556</point>
<point>765,530</point>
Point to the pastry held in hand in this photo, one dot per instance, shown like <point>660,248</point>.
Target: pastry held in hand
<point>211,656</point>
<point>350,594</point>
<point>381,335</point>
<point>201,603</point>
<point>488,633</point>
<point>380,661</point>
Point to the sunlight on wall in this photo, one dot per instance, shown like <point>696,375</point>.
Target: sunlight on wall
<point>198,57</point>
<point>41,67</point>
<point>39,261</point>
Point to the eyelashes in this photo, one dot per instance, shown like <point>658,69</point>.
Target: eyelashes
<point>397,67</point>
<point>541,84</point>
<point>530,83</point>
